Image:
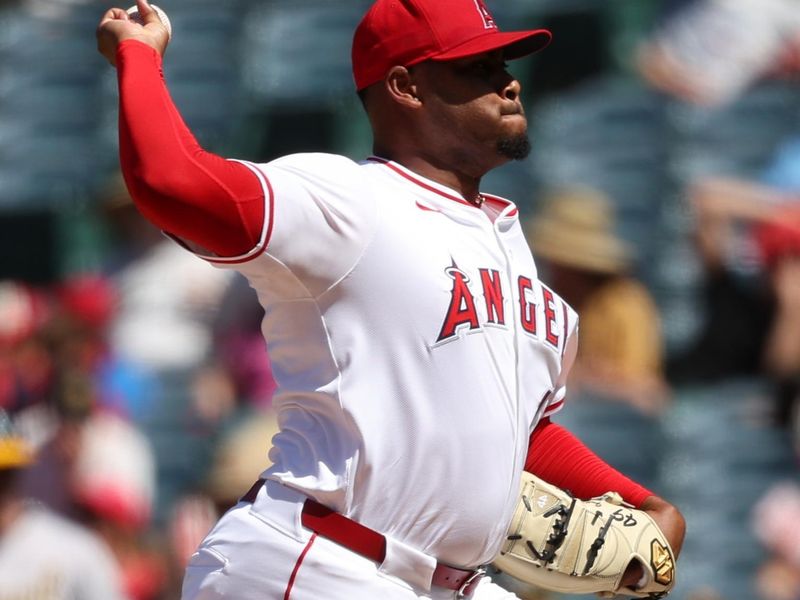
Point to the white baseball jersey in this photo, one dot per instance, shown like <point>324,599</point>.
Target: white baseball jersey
<point>413,346</point>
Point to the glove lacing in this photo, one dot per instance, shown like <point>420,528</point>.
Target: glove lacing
<point>558,535</point>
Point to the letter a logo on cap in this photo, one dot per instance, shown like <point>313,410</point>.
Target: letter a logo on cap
<point>488,19</point>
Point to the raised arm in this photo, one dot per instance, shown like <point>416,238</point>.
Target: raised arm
<point>214,203</point>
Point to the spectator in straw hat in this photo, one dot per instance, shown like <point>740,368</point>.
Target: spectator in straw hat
<point>620,354</point>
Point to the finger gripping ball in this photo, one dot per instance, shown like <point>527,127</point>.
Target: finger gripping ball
<point>133,13</point>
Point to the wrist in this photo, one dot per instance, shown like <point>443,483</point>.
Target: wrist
<point>134,46</point>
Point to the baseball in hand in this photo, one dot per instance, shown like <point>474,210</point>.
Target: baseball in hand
<point>133,13</point>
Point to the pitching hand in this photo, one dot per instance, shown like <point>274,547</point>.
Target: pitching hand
<point>116,26</point>
<point>671,523</point>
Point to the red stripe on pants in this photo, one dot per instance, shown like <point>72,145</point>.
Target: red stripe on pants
<point>297,566</point>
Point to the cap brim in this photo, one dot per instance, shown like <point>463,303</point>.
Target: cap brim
<point>515,44</point>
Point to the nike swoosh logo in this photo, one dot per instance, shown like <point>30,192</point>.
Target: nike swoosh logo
<point>428,208</point>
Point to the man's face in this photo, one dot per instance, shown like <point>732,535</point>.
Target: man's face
<point>473,106</point>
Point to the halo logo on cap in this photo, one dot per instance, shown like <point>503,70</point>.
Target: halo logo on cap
<point>488,19</point>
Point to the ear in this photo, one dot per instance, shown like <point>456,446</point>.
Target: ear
<point>401,87</point>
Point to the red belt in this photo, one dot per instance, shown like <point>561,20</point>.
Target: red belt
<point>369,543</point>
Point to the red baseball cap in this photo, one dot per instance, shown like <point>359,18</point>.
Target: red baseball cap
<point>407,32</point>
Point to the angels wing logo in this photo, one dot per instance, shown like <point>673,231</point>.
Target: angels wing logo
<point>488,19</point>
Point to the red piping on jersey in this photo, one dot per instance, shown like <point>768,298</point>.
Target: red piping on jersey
<point>421,184</point>
<point>430,188</point>
<point>566,327</point>
<point>501,201</point>
<point>263,245</point>
<point>553,407</point>
<point>549,410</point>
<point>299,562</point>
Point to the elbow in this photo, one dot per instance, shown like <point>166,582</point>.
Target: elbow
<point>154,195</point>
<point>669,519</point>
<point>146,183</point>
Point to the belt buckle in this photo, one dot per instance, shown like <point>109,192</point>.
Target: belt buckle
<point>476,576</point>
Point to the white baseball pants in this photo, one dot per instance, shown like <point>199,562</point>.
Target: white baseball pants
<point>260,551</point>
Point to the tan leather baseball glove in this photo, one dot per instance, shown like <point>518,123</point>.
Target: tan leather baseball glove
<point>559,543</point>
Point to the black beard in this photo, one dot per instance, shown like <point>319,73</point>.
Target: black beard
<point>515,148</point>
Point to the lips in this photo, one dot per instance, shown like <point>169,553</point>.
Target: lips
<point>512,112</point>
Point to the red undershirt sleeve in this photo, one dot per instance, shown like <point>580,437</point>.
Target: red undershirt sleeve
<point>197,196</point>
<point>558,457</point>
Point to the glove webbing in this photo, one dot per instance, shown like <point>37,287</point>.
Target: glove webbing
<point>598,542</point>
<point>557,537</point>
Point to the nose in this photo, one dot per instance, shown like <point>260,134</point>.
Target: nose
<point>512,89</point>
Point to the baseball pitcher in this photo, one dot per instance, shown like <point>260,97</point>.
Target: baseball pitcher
<point>418,356</point>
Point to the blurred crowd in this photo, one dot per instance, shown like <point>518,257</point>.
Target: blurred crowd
<point>143,392</point>
<point>135,398</point>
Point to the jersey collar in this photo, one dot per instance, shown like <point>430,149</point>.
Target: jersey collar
<point>504,207</point>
